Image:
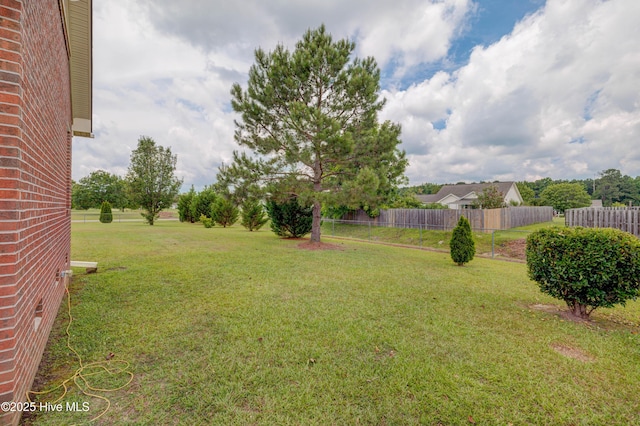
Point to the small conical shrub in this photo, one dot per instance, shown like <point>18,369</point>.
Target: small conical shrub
<point>461,245</point>
<point>105,212</point>
<point>253,215</point>
<point>223,212</point>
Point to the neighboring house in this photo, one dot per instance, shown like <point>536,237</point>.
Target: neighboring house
<point>45,99</point>
<point>463,196</point>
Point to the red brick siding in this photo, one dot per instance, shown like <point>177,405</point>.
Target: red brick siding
<point>35,173</point>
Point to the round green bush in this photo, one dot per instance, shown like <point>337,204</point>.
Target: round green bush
<point>105,212</point>
<point>588,268</point>
<point>206,221</point>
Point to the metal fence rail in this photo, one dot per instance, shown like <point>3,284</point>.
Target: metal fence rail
<point>401,233</point>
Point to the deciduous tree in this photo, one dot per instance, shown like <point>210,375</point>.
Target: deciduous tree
<point>608,186</point>
<point>97,187</point>
<point>526,192</point>
<point>563,196</point>
<point>151,178</point>
<point>490,198</point>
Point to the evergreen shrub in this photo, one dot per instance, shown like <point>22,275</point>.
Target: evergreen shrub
<point>253,215</point>
<point>462,246</point>
<point>201,203</point>
<point>105,212</point>
<point>185,211</point>
<point>223,212</point>
<point>289,219</point>
<point>586,267</point>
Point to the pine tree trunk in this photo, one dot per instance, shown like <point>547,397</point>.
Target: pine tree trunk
<point>315,224</point>
<point>317,205</point>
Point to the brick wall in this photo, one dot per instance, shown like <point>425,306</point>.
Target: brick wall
<point>35,179</point>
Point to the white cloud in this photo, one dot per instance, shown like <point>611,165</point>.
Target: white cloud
<point>407,31</point>
<point>556,97</point>
<point>157,85</point>
<point>411,33</point>
<point>164,68</point>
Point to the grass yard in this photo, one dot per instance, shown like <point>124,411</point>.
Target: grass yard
<point>224,326</point>
<point>92,215</point>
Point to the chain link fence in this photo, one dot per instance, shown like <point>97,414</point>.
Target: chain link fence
<point>489,242</point>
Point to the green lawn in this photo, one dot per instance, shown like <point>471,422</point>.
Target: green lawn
<point>92,215</point>
<point>224,326</point>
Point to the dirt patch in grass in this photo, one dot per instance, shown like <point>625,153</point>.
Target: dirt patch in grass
<point>308,245</point>
<point>572,352</point>
<point>545,308</point>
<point>597,320</point>
<point>564,313</point>
<point>515,249</point>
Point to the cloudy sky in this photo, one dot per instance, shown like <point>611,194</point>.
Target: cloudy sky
<point>483,89</point>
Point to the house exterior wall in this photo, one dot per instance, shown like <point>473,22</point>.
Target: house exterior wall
<point>450,201</point>
<point>463,196</point>
<point>513,195</point>
<point>35,180</point>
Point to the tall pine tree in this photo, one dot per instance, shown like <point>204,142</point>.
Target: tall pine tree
<point>310,117</point>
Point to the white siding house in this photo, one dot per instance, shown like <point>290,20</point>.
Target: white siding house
<point>463,196</point>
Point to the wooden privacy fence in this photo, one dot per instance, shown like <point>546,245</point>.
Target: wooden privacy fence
<point>624,218</point>
<point>480,219</point>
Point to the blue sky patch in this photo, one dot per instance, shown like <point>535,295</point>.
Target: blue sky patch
<point>588,107</point>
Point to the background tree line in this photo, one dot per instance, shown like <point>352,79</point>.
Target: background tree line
<point>99,186</point>
<point>150,183</point>
<point>611,187</point>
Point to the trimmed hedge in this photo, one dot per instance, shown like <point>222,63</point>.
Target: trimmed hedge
<point>588,268</point>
